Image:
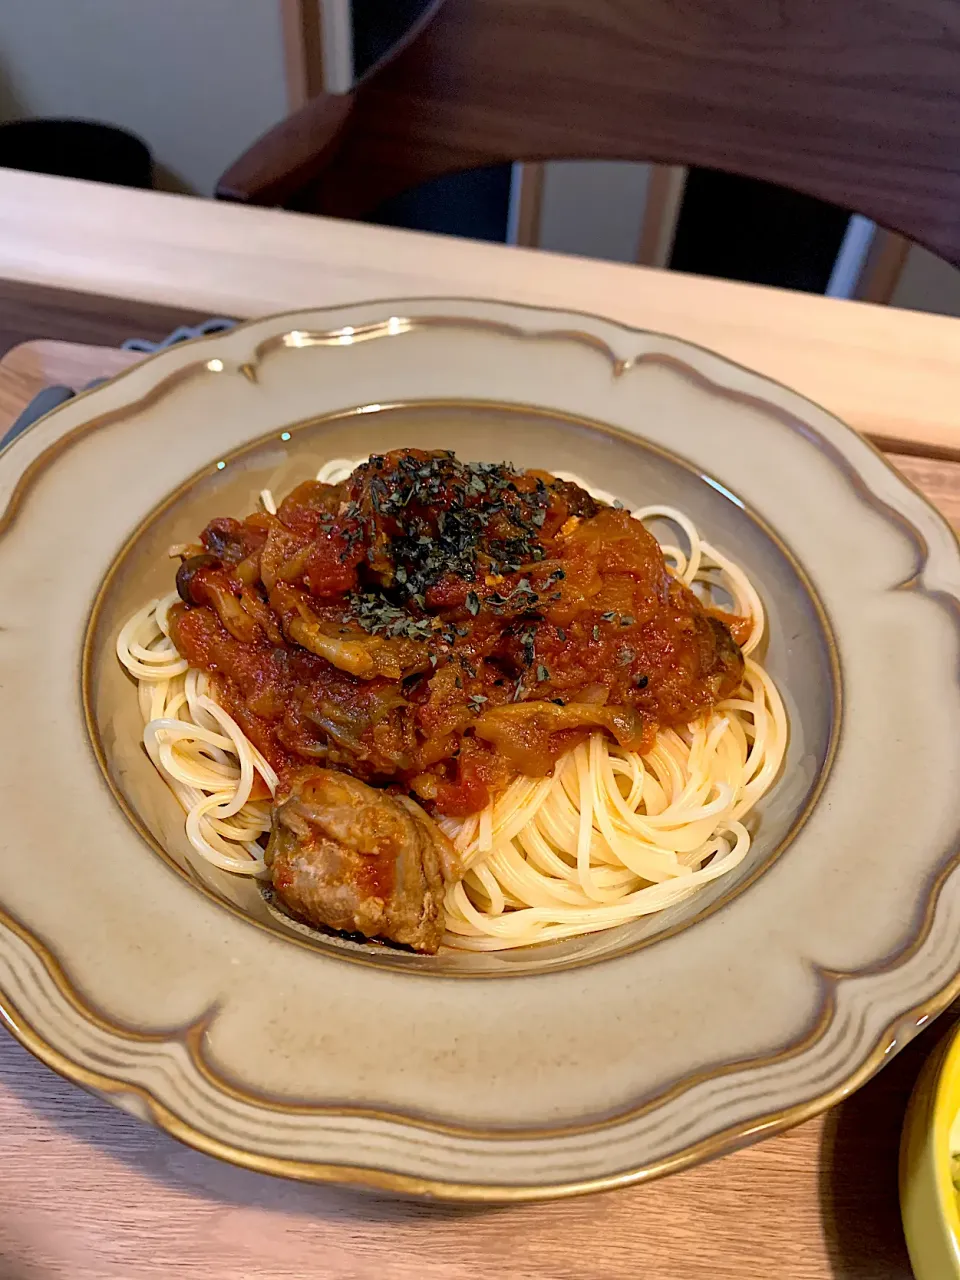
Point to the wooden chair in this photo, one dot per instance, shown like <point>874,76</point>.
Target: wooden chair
<point>856,102</point>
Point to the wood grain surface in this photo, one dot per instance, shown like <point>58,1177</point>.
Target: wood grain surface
<point>89,1193</point>
<point>886,371</point>
<point>31,365</point>
<point>30,311</point>
<point>857,103</point>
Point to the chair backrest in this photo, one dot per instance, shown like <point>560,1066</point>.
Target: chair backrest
<point>854,101</point>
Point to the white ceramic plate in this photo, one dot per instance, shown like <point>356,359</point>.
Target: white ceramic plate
<point>575,1066</point>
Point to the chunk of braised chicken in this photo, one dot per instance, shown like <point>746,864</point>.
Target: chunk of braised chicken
<point>348,857</point>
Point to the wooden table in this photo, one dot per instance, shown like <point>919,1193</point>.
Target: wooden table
<point>87,1191</point>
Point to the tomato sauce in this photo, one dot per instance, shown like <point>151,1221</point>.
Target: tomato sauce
<point>438,626</point>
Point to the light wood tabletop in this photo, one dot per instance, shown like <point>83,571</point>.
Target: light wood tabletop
<point>89,1192</point>
<point>892,373</point>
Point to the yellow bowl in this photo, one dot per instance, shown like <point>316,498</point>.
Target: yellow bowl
<point>928,1199</point>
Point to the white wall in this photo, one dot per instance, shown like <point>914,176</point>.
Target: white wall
<point>594,208</point>
<point>928,284</point>
<point>198,80</point>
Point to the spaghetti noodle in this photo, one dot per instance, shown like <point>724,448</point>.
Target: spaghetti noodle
<point>609,837</point>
